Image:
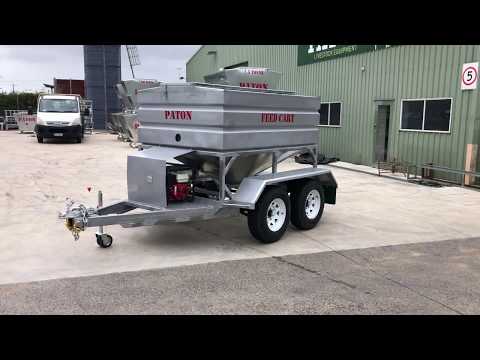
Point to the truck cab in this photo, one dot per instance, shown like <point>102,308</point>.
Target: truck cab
<point>59,116</point>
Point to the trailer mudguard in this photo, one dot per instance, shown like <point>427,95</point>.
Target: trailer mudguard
<point>252,187</point>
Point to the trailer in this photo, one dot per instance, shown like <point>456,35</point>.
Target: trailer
<point>26,123</point>
<point>10,121</point>
<point>212,151</point>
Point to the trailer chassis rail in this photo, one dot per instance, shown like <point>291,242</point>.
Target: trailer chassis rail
<point>227,202</point>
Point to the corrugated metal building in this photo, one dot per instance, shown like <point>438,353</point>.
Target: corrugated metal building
<point>377,102</point>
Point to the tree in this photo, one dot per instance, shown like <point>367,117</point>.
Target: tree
<point>25,100</point>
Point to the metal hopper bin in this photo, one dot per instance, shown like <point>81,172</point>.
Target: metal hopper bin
<point>126,123</point>
<point>260,78</point>
<point>212,150</point>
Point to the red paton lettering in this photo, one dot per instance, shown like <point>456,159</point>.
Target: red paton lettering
<point>254,85</point>
<point>178,115</point>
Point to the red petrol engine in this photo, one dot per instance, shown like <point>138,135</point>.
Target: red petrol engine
<point>179,184</point>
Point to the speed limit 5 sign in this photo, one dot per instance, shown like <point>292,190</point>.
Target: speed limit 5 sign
<point>469,76</point>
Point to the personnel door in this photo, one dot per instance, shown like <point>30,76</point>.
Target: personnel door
<point>382,124</point>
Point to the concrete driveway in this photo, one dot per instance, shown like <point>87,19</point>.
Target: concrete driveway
<point>36,178</point>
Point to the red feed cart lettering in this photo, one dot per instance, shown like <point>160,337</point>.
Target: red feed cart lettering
<point>271,118</point>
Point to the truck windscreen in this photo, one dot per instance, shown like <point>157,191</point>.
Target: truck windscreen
<point>58,105</point>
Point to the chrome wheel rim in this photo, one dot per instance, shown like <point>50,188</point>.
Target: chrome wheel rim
<point>276,214</point>
<point>312,204</point>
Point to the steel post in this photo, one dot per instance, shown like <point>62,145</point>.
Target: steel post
<point>274,162</point>
<point>221,173</point>
<point>100,204</point>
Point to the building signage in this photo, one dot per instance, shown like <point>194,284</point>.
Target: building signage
<point>469,76</point>
<point>309,54</point>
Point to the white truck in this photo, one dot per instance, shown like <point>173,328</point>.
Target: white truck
<point>60,116</point>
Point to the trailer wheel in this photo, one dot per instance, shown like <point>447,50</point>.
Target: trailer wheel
<point>308,201</point>
<point>40,139</point>
<point>269,221</point>
<point>104,240</point>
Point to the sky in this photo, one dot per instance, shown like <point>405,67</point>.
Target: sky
<point>27,67</point>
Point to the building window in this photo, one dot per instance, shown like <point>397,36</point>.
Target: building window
<point>323,114</point>
<point>426,115</point>
<point>330,114</point>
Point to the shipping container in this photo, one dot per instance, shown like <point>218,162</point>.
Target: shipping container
<point>69,86</point>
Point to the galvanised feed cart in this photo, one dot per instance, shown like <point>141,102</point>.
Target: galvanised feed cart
<point>212,150</point>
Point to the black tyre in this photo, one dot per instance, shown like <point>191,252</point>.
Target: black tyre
<point>308,201</point>
<point>104,240</point>
<point>79,139</point>
<point>40,139</point>
<point>269,221</point>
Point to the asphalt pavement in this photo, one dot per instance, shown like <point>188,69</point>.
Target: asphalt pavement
<point>426,278</point>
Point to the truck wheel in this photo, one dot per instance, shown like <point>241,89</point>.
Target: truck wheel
<point>40,139</point>
<point>269,221</point>
<point>79,139</point>
<point>308,200</point>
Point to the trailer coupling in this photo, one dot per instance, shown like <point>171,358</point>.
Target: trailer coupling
<point>76,217</point>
